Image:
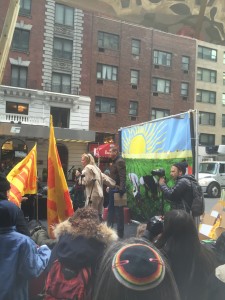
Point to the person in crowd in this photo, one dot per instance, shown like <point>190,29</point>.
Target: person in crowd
<point>191,262</point>
<point>21,224</point>
<point>39,234</point>
<point>117,173</point>
<point>93,179</point>
<point>81,240</point>
<point>181,194</point>
<point>134,269</point>
<point>216,284</point>
<point>78,191</point>
<point>20,258</point>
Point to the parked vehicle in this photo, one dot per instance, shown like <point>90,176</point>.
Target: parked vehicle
<point>212,177</point>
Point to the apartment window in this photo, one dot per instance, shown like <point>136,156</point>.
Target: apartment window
<point>60,116</point>
<point>25,7</point>
<point>125,3</point>
<point>162,58</point>
<point>159,113</point>
<point>134,77</point>
<point>223,99</point>
<point>223,120</point>
<point>207,53</point>
<point>206,96</point>
<point>63,48</point>
<point>207,139</point>
<point>135,47</point>
<point>61,83</point>
<point>184,89</point>
<point>223,78</point>
<point>224,58</point>
<point>206,118</point>
<point>133,108</point>
<point>108,40</point>
<point>161,85</point>
<point>185,63</point>
<point>64,15</point>
<point>223,140</point>
<point>105,105</point>
<point>19,76</point>
<point>206,75</point>
<point>16,108</point>
<point>21,39</point>
<point>107,72</point>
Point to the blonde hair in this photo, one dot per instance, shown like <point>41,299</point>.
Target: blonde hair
<point>89,158</point>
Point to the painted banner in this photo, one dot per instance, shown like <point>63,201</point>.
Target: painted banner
<point>149,147</point>
<point>23,177</point>
<point>59,204</point>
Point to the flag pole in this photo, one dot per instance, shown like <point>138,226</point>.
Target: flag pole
<point>37,216</point>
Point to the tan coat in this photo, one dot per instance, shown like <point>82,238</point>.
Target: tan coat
<point>93,181</point>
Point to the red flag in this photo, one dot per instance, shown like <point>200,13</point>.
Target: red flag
<point>59,204</point>
<point>23,177</point>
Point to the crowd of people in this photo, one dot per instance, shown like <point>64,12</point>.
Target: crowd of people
<point>89,260</point>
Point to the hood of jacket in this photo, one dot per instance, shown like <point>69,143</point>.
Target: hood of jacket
<point>101,232</point>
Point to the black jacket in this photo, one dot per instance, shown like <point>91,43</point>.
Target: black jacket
<point>118,172</point>
<point>181,194</point>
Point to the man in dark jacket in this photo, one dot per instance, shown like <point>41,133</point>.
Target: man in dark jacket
<point>117,173</point>
<point>21,224</point>
<point>181,194</point>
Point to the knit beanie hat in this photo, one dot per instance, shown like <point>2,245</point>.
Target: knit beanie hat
<point>138,267</point>
<point>181,166</point>
<point>4,184</point>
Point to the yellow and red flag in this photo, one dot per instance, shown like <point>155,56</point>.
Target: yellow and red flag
<point>23,177</point>
<point>59,204</point>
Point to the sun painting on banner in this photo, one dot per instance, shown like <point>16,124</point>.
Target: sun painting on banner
<point>148,138</point>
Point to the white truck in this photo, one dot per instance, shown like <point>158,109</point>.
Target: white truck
<point>211,177</point>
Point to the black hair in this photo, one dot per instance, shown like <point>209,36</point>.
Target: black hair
<point>190,261</point>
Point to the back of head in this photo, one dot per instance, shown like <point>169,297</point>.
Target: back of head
<point>134,270</point>
<point>89,158</point>
<point>8,214</point>
<point>179,224</point>
<point>4,187</point>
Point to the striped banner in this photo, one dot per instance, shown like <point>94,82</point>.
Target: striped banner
<point>59,204</point>
<point>23,177</point>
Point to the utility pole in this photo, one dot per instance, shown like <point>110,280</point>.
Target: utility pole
<point>7,34</point>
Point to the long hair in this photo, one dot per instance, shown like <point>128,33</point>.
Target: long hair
<point>108,287</point>
<point>190,261</point>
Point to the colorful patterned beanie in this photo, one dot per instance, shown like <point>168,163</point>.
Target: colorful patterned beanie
<point>138,267</point>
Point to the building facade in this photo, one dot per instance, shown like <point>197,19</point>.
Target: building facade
<point>42,78</point>
<point>95,74</point>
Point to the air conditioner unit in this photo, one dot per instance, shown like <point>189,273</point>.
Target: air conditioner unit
<point>156,66</point>
<point>133,118</point>
<point>101,49</point>
<point>134,86</point>
<point>99,115</point>
<point>100,81</point>
<point>155,94</point>
<point>211,149</point>
<point>185,71</point>
<point>221,149</point>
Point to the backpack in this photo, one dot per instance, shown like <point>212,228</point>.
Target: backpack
<point>198,203</point>
<point>64,283</point>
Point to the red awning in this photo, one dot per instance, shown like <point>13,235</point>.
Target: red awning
<point>103,150</point>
